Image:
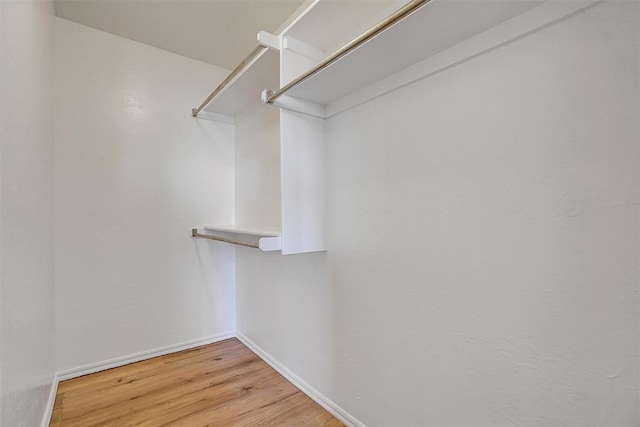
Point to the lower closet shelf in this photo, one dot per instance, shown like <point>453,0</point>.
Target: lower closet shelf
<point>263,238</point>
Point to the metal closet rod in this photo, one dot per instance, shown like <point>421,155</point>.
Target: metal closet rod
<point>400,14</point>
<point>194,233</point>
<point>241,66</point>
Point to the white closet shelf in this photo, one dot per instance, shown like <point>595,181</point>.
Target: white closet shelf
<point>248,230</point>
<point>435,27</point>
<point>263,238</point>
<point>263,71</point>
<point>348,20</point>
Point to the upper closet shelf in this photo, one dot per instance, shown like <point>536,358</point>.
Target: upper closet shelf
<point>396,43</point>
<point>260,69</point>
<point>348,19</point>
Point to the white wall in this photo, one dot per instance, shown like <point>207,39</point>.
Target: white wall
<point>257,167</point>
<point>134,173</point>
<point>27,355</point>
<point>483,243</point>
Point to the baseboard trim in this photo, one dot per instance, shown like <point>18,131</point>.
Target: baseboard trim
<point>314,394</point>
<point>92,368</point>
<point>48,410</point>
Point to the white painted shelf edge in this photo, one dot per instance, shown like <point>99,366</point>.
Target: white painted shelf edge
<point>268,238</point>
<point>248,230</point>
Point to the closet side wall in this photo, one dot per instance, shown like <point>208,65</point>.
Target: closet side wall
<point>27,352</point>
<point>257,167</point>
<point>482,243</point>
<point>134,173</point>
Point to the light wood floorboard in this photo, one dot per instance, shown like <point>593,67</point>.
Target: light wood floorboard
<point>221,384</point>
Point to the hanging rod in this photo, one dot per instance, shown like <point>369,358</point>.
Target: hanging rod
<point>241,66</point>
<point>397,16</point>
<point>194,233</point>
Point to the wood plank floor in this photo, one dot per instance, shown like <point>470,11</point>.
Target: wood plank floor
<point>222,384</point>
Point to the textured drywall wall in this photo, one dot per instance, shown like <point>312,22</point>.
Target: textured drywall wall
<point>483,243</point>
<point>134,173</point>
<point>27,355</point>
<point>257,167</point>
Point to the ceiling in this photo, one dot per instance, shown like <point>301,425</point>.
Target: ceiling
<point>220,32</point>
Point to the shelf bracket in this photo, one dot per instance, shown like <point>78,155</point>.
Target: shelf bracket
<point>269,40</point>
<point>295,104</point>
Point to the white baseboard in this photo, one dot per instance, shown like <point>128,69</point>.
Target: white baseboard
<point>48,410</point>
<point>92,368</point>
<point>314,394</point>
